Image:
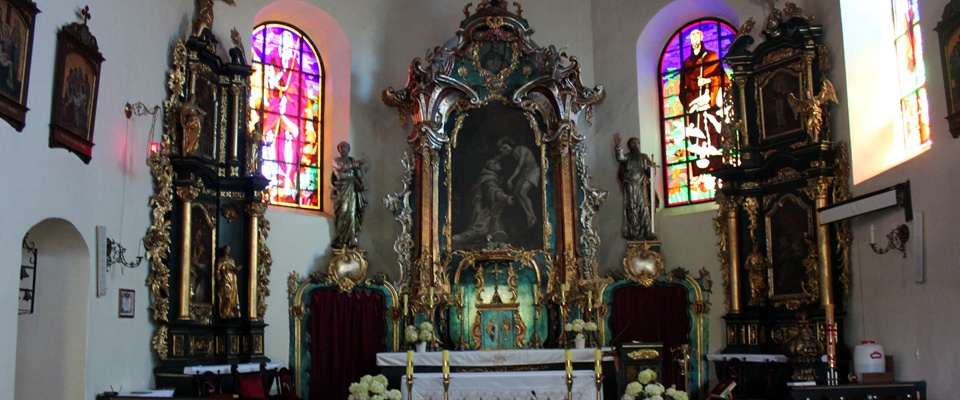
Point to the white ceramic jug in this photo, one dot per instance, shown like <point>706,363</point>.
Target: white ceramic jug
<point>868,357</point>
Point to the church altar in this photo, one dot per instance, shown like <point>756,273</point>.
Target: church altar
<point>535,385</point>
<point>224,369</point>
<point>491,358</point>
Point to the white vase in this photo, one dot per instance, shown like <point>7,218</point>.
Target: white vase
<point>580,342</point>
<point>421,347</point>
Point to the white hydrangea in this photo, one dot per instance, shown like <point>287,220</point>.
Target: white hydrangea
<point>653,389</point>
<point>425,336</point>
<point>394,394</point>
<point>590,326</point>
<point>377,387</point>
<point>634,388</point>
<point>410,334</point>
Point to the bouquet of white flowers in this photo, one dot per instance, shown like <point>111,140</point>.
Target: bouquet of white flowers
<point>423,333</point>
<point>647,385</point>
<point>579,326</point>
<point>373,388</point>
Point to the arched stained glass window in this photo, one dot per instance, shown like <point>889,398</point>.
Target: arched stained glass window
<point>912,74</point>
<point>286,97</point>
<point>692,83</point>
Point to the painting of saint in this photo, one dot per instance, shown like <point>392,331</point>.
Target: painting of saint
<point>77,95</point>
<point>497,188</point>
<point>13,41</point>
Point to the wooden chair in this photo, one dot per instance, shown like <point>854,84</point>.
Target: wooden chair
<point>210,385</point>
<point>285,385</point>
<point>251,385</point>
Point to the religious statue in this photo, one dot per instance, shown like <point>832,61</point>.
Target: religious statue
<point>809,108</point>
<point>227,292</point>
<point>190,119</point>
<point>254,144</point>
<point>638,199</point>
<point>348,196</point>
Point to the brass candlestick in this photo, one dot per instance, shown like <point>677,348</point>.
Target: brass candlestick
<point>570,386</point>
<point>599,384</point>
<point>830,329</point>
<point>446,386</point>
<point>410,385</point>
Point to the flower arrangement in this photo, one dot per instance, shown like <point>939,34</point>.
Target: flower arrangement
<point>414,334</point>
<point>373,388</point>
<point>579,326</point>
<point>647,385</point>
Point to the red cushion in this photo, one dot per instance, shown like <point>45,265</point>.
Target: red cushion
<point>251,388</point>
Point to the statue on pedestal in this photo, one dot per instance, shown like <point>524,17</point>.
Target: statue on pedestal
<point>348,196</point>
<point>638,199</point>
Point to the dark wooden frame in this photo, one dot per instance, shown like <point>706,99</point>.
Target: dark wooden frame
<point>78,60</point>
<point>15,78</point>
<point>948,30</point>
<point>127,313</point>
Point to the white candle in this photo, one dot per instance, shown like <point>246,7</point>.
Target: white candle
<point>872,239</point>
<point>563,293</point>
<point>405,298</point>
<point>431,296</point>
<point>589,300</point>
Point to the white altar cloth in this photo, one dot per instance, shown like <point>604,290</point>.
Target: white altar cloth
<point>535,385</point>
<point>490,358</point>
<point>224,369</point>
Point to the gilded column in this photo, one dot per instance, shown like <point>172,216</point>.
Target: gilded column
<point>234,121</point>
<point>255,212</point>
<point>821,189</point>
<point>187,196</point>
<point>729,210</point>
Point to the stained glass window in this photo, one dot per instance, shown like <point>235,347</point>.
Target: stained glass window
<point>692,83</point>
<point>912,74</point>
<point>286,97</point>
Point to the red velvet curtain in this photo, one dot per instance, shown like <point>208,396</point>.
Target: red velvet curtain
<point>655,314</point>
<point>346,333</point>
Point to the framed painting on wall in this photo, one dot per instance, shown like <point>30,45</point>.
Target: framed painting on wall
<point>948,30</point>
<point>128,298</point>
<point>75,86</point>
<point>17,19</point>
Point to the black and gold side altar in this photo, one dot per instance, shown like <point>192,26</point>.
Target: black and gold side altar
<point>777,258</point>
<point>209,263</point>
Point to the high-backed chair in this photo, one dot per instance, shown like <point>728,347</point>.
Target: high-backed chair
<point>210,385</point>
<point>251,385</point>
<point>285,385</point>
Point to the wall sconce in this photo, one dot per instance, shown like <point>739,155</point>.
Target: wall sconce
<point>139,109</point>
<point>116,254</point>
<point>28,270</point>
<point>896,240</point>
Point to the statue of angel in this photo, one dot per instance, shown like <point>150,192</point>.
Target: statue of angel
<point>809,108</point>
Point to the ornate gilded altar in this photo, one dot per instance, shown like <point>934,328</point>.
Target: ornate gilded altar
<point>777,258</point>
<point>209,263</point>
<point>498,244</point>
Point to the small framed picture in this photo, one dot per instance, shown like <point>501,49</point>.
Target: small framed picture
<point>128,299</point>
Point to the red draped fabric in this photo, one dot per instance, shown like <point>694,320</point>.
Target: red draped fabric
<point>346,333</point>
<point>655,314</point>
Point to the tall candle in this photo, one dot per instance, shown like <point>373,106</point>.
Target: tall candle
<point>829,308</point>
<point>872,239</point>
<point>589,300</point>
<point>405,299</point>
<point>446,362</point>
<point>409,362</point>
<point>597,358</point>
<point>568,357</point>
<point>431,296</point>
<point>563,292</point>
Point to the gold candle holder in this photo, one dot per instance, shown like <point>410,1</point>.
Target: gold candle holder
<point>409,386</point>
<point>831,332</point>
<point>569,386</point>
<point>446,386</point>
<point>599,385</point>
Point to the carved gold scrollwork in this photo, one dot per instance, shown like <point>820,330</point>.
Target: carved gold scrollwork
<point>784,333</point>
<point>643,354</point>
<point>641,264</point>
<point>159,342</point>
<point>751,206</point>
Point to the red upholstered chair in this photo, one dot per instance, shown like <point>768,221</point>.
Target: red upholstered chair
<point>285,385</point>
<point>250,385</point>
<point>209,385</point>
